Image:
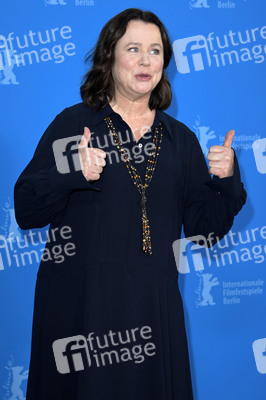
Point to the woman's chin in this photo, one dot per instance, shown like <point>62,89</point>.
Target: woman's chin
<point>143,90</point>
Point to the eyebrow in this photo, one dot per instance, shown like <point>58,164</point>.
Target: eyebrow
<point>140,44</point>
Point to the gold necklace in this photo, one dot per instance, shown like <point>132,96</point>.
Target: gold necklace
<point>152,160</point>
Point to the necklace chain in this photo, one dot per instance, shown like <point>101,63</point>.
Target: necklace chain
<point>152,160</point>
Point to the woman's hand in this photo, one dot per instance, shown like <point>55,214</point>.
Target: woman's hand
<point>221,158</point>
<point>91,159</point>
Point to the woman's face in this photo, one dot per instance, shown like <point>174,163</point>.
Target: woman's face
<point>138,64</point>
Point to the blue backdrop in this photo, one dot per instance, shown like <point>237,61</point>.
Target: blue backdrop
<point>217,80</point>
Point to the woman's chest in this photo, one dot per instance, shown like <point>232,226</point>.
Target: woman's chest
<point>130,166</point>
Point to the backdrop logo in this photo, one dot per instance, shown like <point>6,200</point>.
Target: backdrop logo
<point>199,4</point>
<point>7,62</point>
<point>241,142</point>
<point>55,2</point>
<point>228,292</point>
<point>197,53</point>
<point>204,135</point>
<point>206,283</point>
<point>33,48</point>
<point>64,3</point>
<point>259,350</point>
<point>15,378</point>
<point>10,224</point>
<point>234,291</point>
<point>196,4</point>
<point>259,149</point>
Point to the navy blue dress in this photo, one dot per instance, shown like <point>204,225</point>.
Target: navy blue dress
<point>108,319</point>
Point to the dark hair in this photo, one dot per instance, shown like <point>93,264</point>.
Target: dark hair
<point>98,85</point>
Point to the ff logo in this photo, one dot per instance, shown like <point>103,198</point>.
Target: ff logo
<point>259,350</point>
<point>71,354</point>
<point>191,54</point>
<point>190,254</point>
<point>66,154</point>
<point>259,150</point>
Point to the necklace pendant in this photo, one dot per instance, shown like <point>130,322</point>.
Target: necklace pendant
<point>143,200</point>
<point>146,238</point>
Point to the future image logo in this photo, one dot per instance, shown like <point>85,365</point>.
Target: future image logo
<point>66,154</point>
<point>20,248</point>
<point>71,354</point>
<point>191,54</point>
<point>190,253</point>
<point>66,150</point>
<point>198,253</point>
<point>197,53</point>
<point>18,51</point>
<point>77,353</point>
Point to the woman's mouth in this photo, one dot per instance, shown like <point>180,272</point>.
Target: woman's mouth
<point>143,77</point>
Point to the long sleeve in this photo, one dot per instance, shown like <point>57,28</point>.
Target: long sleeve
<point>41,191</point>
<point>210,203</point>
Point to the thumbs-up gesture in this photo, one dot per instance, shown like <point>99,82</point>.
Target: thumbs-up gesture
<point>221,158</point>
<point>92,160</point>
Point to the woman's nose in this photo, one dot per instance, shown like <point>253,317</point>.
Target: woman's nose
<point>144,59</point>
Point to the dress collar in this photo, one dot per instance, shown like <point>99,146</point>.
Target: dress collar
<point>98,117</point>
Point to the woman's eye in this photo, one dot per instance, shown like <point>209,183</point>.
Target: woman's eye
<point>155,51</point>
<point>133,49</point>
<point>136,49</point>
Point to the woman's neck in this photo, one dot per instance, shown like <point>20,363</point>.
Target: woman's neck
<point>130,108</point>
<point>136,114</point>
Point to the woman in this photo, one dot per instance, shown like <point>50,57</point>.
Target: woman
<point>108,320</point>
